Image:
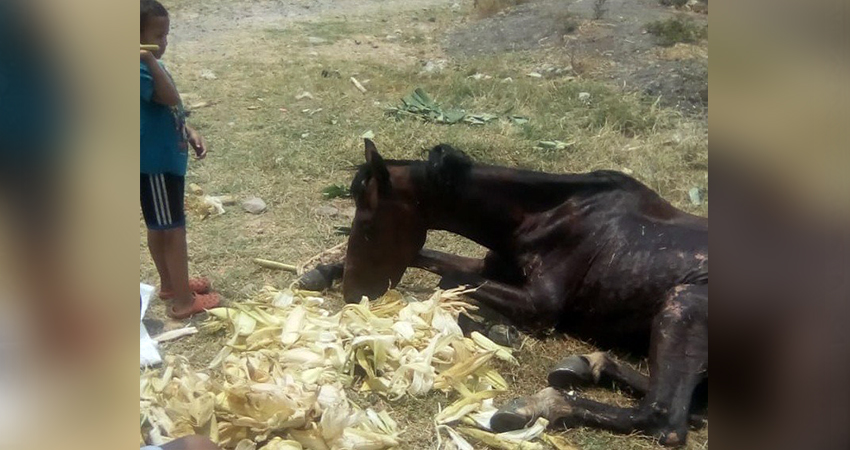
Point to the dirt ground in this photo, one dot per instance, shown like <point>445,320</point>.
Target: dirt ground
<point>620,49</point>
<point>247,61</point>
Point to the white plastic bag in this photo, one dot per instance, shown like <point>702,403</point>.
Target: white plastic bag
<point>148,353</point>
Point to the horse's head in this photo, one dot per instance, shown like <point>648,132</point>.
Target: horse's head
<point>388,230</point>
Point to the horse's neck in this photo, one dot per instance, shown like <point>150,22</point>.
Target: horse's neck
<point>493,202</point>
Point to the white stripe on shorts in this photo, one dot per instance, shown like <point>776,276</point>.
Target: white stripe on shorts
<point>155,198</point>
<point>165,199</point>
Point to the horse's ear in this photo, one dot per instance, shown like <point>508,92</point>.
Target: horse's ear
<point>378,167</point>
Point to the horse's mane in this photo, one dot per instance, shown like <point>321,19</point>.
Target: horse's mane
<point>443,169</point>
<point>447,167</point>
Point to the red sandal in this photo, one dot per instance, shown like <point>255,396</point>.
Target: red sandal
<point>197,285</point>
<point>200,303</point>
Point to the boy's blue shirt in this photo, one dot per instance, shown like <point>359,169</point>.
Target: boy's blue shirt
<point>163,142</point>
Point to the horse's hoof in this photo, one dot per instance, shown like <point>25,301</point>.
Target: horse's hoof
<point>513,415</point>
<point>469,324</point>
<point>573,371</point>
<point>672,438</point>
<point>314,280</point>
<point>504,335</point>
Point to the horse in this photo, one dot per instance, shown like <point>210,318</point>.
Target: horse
<point>597,255</point>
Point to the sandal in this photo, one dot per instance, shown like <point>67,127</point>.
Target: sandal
<point>197,285</point>
<point>200,303</point>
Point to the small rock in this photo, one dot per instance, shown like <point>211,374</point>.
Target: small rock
<point>313,54</point>
<point>391,37</point>
<point>254,205</point>
<point>434,66</point>
<point>208,74</point>
<point>628,171</point>
<point>455,6</point>
<point>328,211</point>
<point>304,95</point>
<point>316,40</point>
<point>584,96</point>
<point>696,196</point>
<point>305,135</point>
<point>535,75</point>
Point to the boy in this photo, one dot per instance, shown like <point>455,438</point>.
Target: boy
<point>164,139</point>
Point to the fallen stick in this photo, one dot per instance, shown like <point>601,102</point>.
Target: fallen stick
<point>174,334</point>
<point>358,85</point>
<point>276,265</point>
<point>335,254</point>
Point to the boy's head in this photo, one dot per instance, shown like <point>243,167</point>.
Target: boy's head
<point>154,25</point>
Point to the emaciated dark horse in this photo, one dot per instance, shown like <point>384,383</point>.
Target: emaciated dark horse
<point>598,255</point>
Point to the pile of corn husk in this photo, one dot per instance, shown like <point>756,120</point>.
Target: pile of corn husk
<point>279,381</point>
<point>203,205</point>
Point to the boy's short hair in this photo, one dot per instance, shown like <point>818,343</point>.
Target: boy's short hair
<point>149,9</point>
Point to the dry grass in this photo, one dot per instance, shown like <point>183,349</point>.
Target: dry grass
<point>489,8</point>
<point>288,157</point>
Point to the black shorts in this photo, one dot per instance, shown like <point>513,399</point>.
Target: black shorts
<point>162,201</point>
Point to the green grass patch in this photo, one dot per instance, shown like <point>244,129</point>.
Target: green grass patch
<point>672,31</point>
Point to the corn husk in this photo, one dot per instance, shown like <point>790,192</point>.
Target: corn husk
<point>503,353</point>
<point>204,206</point>
<point>558,442</point>
<point>499,442</point>
<point>280,444</point>
<point>280,378</point>
<point>457,442</point>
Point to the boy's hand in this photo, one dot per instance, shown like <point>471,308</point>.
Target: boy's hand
<point>147,57</point>
<point>197,142</point>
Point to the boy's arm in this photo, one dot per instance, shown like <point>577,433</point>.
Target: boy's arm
<point>164,91</point>
<point>197,141</point>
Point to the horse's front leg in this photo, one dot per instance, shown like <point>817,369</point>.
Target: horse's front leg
<point>498,286</point>
<point>322,277</point>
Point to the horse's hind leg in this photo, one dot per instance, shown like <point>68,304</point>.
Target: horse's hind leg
<point>678,363</point>
<point>597,368</point>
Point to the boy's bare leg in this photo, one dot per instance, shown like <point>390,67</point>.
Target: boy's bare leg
<point>176,258</point>
<point>157,245</point>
